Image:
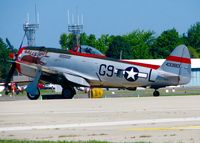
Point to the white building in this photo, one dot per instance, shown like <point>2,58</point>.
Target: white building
<point>195,65</point>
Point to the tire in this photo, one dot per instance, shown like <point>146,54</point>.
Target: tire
<point>33,97</point>
<point>156,93</point>
<point>68,92</point>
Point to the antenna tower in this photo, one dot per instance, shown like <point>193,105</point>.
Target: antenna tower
<point>30,29</point>
<point>76,29</point>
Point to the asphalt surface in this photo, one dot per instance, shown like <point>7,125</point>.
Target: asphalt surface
<point>171,119</point>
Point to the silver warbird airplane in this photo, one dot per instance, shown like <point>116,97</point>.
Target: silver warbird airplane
<point>85,66</point>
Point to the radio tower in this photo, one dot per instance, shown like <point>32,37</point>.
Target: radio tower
<point>30,29</point>
<point>76,29</point>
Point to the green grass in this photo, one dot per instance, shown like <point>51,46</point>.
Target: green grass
<point>149,92</point>
<point>26,141</point>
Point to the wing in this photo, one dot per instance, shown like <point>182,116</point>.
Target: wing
<point>71,75</point>
<point>74,76</point>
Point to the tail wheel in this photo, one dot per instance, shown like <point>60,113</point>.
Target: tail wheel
<point>96,93</point>
<point>68,92</point>
<point>33,97</point>
<point>156,93</point>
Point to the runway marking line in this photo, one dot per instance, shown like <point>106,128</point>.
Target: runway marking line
<point>99,124</point>
<point>164,128</point>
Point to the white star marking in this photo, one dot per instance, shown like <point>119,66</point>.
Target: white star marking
<point>131,74</point>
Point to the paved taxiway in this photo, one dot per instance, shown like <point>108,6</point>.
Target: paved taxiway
<point>161,119</point>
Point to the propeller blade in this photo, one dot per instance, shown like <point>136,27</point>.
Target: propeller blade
<point>10,75</point>
<point>13,67</point>
<point>9,44</point>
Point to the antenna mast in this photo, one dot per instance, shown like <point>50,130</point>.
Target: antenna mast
<point>30,29</point>
<point>76,28</point>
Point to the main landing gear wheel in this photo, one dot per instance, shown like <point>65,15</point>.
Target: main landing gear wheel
<point>156,93</point>
<point>68,92</point>
<point>33,97</point>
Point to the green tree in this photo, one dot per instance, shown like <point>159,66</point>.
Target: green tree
<point>66,41</point>
<point>193,36</point>
<point>91,41</point>
<point>103,43</point>
<point>4,56</point>
<point>83,39</point>
<point>193,52</point>
<point>118,45</point>
<point>140,42</point>
<point>63,41</point>
<point>165,43</point>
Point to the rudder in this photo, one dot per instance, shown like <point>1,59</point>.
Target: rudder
<point>179,63</point>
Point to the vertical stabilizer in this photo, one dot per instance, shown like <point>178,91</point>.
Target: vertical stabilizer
<point>179,63</point>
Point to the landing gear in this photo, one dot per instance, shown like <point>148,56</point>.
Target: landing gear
<point>32,96</point>
<point>68,92</point>
<point>156,93</point>
<point>32,90</point>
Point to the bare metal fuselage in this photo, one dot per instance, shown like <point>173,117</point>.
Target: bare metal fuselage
<point>98,72</point>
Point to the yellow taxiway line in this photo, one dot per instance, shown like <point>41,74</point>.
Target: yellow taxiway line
<point>164,128</point>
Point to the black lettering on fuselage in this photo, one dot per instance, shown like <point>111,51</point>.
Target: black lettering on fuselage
<point>105,70</point>
<point>102,69</point>
<point>173,65</point>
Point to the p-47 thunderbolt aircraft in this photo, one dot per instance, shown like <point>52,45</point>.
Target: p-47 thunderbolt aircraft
<point>85,66</point>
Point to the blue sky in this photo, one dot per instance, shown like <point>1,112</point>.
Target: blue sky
<point>116,17</point>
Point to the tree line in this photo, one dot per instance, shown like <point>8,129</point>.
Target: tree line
<point>139,44</point>
<point>4,56</point>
